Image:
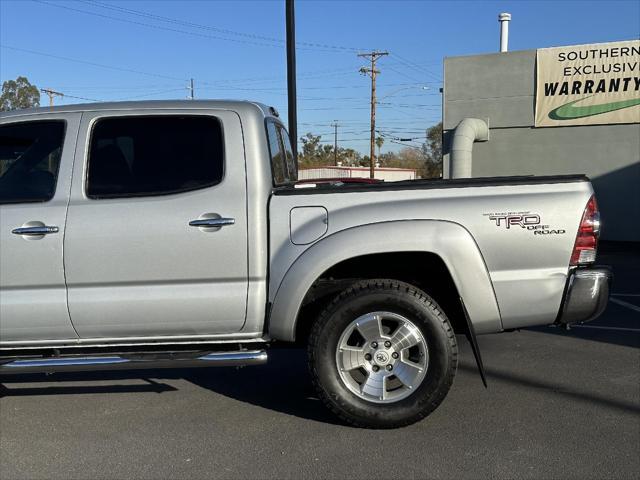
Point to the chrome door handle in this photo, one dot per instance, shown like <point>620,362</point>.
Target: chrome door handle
<point>212,222</point>
<point>44,230</point>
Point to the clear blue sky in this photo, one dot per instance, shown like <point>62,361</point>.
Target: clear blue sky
<point>235,49</point>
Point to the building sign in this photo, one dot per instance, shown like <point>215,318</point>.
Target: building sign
<point>588,84</point>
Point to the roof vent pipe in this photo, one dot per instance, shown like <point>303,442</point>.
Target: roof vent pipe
<point>469,130</point>
<point>504,19</point>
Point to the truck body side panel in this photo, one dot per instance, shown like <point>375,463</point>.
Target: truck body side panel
<point>528,270</point>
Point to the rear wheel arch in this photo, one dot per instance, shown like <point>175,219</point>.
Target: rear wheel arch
<point>441,246</point>
<point>425,271</point>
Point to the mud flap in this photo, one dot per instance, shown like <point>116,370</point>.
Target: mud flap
<point>471,337</point>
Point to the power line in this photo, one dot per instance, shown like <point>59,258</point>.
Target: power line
<point>326,87</point>
<point>406,145</point>
<point>111,67</point>
<point>400,139</point>
<point>424,106</point>
<point>355,123</point>
<point>148,25</point>
<point>416,67</point>
<point>308,75</point>
<point>175,30</point>
<point>174,21</point>
<point>84,98</point>
<point>112,87</point>
<point>51,94</point>
<point>158,75</point>
<point>385,106</point>
<point>151,94</point>
<point>409,77</point>
<point>216,29</point>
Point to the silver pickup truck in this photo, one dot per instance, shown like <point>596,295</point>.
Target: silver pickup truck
<point>172,234</point>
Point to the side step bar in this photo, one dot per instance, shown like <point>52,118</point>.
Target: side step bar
<point>134,361</point>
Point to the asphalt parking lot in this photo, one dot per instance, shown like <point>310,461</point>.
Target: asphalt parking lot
<point>559,405</point>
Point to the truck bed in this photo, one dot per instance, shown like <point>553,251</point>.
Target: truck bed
<point>528,264</point>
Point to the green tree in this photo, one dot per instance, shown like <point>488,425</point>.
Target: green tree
<point>310,147</point>
<point>379,143</point>
<point>433,146</point>
<point>18,94</point>
<point>408,157</point>
<point>349,157</point>
<point>432,150</point>
<point>315,154</point>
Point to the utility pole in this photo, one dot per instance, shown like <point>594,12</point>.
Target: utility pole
<point>292,99</point>
<point>335,142</point>
<point>51,94</point>
<point>191,95</point>
<point>372,72</point>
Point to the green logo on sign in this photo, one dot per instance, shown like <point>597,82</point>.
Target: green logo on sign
<point>569,112</point>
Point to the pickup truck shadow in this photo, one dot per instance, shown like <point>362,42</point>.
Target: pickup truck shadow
<point>282,385</point>
<point>555,388</point>
<point>599,332</point>
<point>149,385</point>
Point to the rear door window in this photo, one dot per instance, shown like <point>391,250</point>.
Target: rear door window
<point>30,155</point>
<point>283,165</point>
<point>292,165</point>
<point>154,155</point>
<point>276,150</point>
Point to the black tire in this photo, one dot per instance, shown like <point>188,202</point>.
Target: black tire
<point>395,297</point>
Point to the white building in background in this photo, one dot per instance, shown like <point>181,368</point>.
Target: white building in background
<point>381,173</point>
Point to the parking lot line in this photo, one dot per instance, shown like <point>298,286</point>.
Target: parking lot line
<point>626,304</point>
<point>621,329</point>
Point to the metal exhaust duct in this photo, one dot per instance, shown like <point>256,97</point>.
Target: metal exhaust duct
<point>504,19</point>
<point>469,130</point>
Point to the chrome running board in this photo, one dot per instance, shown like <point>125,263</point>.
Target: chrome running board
<point>132,361</point>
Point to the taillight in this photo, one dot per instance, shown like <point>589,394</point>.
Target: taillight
<point>584,250</point>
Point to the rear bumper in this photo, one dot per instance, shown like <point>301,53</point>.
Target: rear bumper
<point>586,295</point>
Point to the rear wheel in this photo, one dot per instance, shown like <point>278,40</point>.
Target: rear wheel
<point>382,355</point>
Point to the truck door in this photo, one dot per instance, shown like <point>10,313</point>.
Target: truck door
<point>156,241</point>
<point>36,160</point>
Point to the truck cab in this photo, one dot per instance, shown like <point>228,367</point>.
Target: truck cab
<point>154,227</point>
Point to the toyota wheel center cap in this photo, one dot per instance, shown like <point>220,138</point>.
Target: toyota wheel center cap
<point>381,358</point>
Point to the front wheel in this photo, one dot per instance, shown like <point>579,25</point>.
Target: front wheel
<point>382,355</point>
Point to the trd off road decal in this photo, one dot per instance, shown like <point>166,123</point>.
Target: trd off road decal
<point>525,220</point>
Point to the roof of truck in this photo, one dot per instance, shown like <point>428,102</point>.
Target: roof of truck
<point>148,105</point>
